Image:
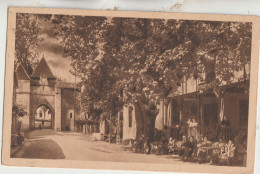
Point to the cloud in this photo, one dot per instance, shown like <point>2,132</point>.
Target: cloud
<point>51,45</point>
<point>57,64</point>
<point>53,51</point>
<point>49,28</point>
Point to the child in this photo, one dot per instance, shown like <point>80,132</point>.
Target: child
<point>172,147</point>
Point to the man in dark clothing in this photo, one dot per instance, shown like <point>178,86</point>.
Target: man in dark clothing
<point>141,144</point>
<point>225,121</point>
<point>190,147</point>
<point>164,145</point>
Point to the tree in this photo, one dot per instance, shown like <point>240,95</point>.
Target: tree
<point>27,39</point>
<point>18,111</point>
<point>144,59</point>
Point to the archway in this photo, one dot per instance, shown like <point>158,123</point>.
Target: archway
<point>43,117</point>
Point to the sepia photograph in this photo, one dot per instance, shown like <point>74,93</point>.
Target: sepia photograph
<point>106,87</point>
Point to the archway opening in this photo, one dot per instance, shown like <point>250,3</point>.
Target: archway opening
<point>43,117</point>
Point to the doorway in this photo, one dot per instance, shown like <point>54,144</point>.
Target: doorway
<point>43,117</point>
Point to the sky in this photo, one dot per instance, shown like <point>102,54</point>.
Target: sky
<point>52,50</point>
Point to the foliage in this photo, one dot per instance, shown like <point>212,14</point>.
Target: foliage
<point>139,61</point>
<point>18,111</point>
<point>27,40</point>
<point>81,122</point>
<point>241,142</point>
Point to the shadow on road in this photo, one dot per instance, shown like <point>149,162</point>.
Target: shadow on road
<point>37,148</point>
<point>39,133</point>
<point>40,149</point>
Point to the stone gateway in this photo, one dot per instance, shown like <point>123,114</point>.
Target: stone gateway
<point>49,102</point>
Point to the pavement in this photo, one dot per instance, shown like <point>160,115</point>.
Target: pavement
<point>48,144</point>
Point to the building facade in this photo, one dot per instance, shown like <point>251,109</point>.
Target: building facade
<point>49,103</point>
<point>199,107</point>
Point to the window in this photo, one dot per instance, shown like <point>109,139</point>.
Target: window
<point>214,112</point>
<point>130,116</point>
<point>206,115</point>
<point>121,115</point>
<point>243,112</point>
<point>175,112</point>
<point>43,79</point>
<point>210,114</point>
<point>40,114</point>
<point>70,115</point>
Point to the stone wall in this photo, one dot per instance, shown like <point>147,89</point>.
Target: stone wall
<point>68,104</point>
<point>22,97</point>
<point>42,95</point>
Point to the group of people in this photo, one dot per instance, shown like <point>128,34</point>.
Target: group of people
<point>202,150</point>
<point>193,148</point>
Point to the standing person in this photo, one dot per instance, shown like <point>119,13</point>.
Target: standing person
<point>225,128</point>
<point>225,121</point>
<point>194,128</point>
<point>189,125</point>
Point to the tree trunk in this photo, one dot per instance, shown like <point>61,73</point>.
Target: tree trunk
<point>148,123</point>
<point>110,128</point>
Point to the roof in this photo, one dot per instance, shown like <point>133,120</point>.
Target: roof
<point>43,67</point>
<point>67,85</point>
<point>239,84</point>
<point>21,73</point>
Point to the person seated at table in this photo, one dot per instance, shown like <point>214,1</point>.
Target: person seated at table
<point>147,146</point>
<point>164,146</point>
<point>172,146</point>
<point>190,147</point>
<point>140,144</point>
<point>228,152</point>
<point>203,150</point>
<point>182,147</point>
<point>216,151</point>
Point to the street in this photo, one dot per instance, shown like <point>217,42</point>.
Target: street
<point>47,144</point>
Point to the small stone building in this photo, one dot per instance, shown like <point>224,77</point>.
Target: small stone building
<point>131,122</point>
<point>42,93</point>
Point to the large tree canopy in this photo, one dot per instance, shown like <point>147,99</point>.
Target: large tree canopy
<point>145,59</point>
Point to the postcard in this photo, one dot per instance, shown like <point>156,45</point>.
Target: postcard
<point>126,90</point>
